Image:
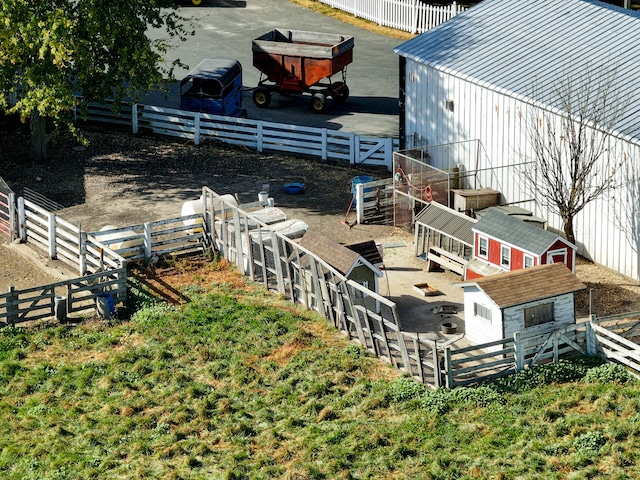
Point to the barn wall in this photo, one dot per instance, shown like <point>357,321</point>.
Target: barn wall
<point>607,231</point>
<point>563,307</point>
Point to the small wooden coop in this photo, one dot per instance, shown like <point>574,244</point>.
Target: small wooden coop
<point>496,307</point>
<point>443,237</point>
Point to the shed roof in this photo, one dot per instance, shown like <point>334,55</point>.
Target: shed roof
<point>335,254</point>
<point>528,284</point>
<point>520,234</point>
<point>520,48</point>
<point>447,221</point>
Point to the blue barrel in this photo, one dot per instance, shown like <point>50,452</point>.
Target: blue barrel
<point>105,305</point>
<point>356,181</point>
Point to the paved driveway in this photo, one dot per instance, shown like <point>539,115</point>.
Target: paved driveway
<point>223,29</point>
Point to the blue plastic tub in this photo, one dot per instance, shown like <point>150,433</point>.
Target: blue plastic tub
<point>294,188</point>
<point>356,181</point>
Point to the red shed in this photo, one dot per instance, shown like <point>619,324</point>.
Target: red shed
<point>503,243</point>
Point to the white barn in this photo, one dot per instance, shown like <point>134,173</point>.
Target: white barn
<point>473,82</point>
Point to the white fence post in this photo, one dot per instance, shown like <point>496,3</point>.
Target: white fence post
<point>259,135</point>
<point>196,128</point>
<point>353,150</point>
<point>52,236</point>
<point>22,220</point>
<point>13,234</point>
<point>359,202</point>
<point>324,144</point>
<point>147,241</point>
<point>82,259</point>
<point>134,117</point>
<point>591,336</point>
<point>518,351</point>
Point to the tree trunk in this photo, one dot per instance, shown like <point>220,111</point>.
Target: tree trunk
<point>568,229</point>
<point>38,125</point>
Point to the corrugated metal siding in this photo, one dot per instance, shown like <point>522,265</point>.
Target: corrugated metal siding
<point>520,47</point>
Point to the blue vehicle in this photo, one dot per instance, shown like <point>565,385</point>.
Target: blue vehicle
<point>214,86</point>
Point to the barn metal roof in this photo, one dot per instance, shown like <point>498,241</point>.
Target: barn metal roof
<point>522,48</point>
<point>447,221</point>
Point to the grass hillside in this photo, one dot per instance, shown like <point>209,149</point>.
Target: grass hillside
<point>238,384</point>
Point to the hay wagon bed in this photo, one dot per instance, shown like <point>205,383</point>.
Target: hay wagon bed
<point>297,62</point>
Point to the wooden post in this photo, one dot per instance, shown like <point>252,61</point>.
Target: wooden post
<point>437,370</point>
<point>416,349</point>
<point>260,136</point>
<point>22,220</point>
<point>13,233</point>
<point>134,117</point>
<point>324,144</point>
<point>591,338</point>
<point>448,367</point>
<point>147,241</point>
<point>278,264</point>
<point>518,351</point>
<point>196,128</point>
<point>12,307</point>
<point>82,258</point>
<point>359,203</point>
<point>52,236</point>
<point>556,340</point>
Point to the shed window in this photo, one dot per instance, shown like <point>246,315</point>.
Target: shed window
<point>528,261</point>
<point>483,247</point>
<point>505,256</point>
<point>482,311</point>
<point>538,315</point>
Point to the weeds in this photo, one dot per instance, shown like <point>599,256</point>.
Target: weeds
<point>231,386</point>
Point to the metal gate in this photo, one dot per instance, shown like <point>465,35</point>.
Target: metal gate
<point>6,208</point>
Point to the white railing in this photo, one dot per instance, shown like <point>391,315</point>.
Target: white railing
<point>322,143</point>
<point>260,135</point>
<point>412,16</point>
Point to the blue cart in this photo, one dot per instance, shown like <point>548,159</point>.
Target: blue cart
<point>214,86</point>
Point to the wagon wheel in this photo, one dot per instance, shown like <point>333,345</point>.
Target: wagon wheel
<point>261,97</point>
<point>340,92</point>
<point>318,102</point>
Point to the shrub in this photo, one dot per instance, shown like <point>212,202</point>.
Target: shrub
<point>590,442</point>
<point>609,373</point>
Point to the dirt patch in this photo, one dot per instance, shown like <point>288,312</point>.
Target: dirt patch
<point>123,179</point>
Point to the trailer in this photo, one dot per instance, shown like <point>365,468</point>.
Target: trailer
<point>297,62</point>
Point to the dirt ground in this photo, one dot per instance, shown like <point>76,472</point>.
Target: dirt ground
<point>120,179</point>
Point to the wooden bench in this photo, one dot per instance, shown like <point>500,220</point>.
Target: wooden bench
<point>446,259</point>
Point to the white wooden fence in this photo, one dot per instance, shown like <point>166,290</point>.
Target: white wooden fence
<point>414,16</point>
<point>321,143</point>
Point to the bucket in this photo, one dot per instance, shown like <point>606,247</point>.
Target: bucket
<point>356,181</point>
<point>263,196</point>
<point>105,305</point>
<point>60,308</point>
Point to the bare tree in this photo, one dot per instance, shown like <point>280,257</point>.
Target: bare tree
<point>573,147</point>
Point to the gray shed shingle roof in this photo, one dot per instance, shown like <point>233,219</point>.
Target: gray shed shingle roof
<point>528,284</point>
<point>447,221</point>
<point>512,46</point>
<point>515,232</point>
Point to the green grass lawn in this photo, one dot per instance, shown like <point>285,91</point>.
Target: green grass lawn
<point>237,384</point>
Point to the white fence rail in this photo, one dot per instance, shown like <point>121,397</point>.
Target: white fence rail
<point>321,143</point>
<point>260,135</point>
<point>414,16</point>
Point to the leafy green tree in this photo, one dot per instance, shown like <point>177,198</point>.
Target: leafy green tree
<point>51,50</point>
